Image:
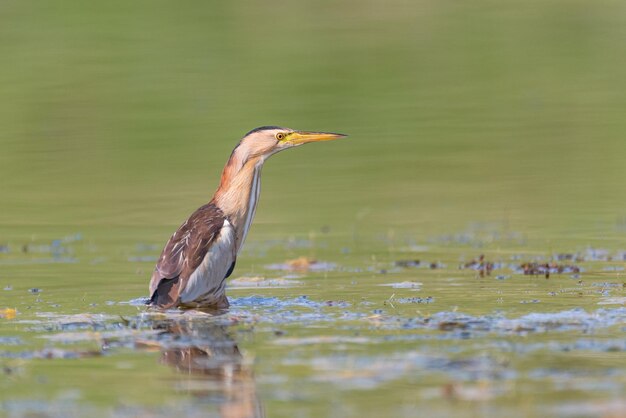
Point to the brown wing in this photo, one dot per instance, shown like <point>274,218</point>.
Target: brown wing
<point>183,253</point>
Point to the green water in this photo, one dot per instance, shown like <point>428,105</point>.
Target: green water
<point>492,128</point>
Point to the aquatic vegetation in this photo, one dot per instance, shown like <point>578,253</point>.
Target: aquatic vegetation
<point>8,313</point>
<point>407,263</point>
<point>303,264</point>
<point>483,266</point>
<point>545,269</point>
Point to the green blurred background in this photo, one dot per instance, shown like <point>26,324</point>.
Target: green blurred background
<point>123,113</point>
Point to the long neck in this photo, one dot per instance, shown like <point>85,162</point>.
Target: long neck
<point>238,193</point>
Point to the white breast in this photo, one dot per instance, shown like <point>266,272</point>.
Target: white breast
<point>209,276</point>
<point>255,191</point>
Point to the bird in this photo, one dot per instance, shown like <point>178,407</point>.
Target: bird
<point>193,267</point>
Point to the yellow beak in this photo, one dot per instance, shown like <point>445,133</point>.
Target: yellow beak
<point>302,137</point>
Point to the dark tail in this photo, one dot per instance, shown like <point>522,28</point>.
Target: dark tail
<point>166,294</point>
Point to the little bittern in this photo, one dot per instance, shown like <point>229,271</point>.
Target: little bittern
<point>197,259</point>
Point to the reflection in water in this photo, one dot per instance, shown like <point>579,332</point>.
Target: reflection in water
<point>216,371</point>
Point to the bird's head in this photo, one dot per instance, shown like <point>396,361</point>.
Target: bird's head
<point>268,140</point>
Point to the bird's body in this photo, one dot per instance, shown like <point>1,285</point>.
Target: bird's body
<point>197,259</point>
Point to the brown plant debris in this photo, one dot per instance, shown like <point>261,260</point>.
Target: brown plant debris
<point>545,269</point>
<point>481,265</point>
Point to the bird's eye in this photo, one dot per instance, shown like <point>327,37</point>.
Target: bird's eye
<point>280,136</point>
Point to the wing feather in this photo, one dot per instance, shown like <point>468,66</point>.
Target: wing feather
<point>183,253</point>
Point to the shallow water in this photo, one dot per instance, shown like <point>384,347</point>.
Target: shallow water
<point>461,253</point>
<point>386,336</point>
